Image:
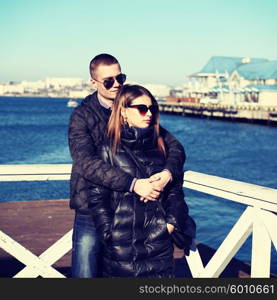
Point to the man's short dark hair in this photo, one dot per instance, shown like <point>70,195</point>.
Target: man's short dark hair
<point>101,59</point>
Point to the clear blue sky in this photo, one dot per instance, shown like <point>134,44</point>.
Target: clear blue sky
<point>156,41</point>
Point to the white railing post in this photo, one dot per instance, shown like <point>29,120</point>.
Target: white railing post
<point>261,247</point>
<point>270,221</point>
<point>27,257</point>
<point>195,262</point>
<point>50,256</point>
<point>229,247</point>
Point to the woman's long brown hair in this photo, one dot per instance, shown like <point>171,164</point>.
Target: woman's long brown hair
<point>125,97</point>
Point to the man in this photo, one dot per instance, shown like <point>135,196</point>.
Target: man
<point>87,128</point>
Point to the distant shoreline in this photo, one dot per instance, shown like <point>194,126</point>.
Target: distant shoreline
<point>35,96</point>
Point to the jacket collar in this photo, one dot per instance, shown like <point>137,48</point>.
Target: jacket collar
<point>93,103</point>
<point>137,138</point>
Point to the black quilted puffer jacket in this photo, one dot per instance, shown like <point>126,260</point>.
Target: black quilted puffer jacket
<point>135,237</point>
<point>87,128</point>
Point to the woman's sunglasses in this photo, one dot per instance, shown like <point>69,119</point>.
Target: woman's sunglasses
<point>143,109</point>
<point>109,82</point>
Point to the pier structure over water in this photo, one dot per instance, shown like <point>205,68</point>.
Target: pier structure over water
<point>259,219</point>
<point>252,113</point>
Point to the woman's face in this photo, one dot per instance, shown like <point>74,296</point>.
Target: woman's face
<point>137,113</point>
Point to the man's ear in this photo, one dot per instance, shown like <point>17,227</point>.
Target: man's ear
<point>93,82</point>
<point>123,114</point>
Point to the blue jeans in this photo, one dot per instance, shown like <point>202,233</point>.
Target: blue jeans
<point>85,261</point>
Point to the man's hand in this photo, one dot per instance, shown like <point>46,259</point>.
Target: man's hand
<point>160,180</point>
<point>145,189</point>
<point>170,228</point>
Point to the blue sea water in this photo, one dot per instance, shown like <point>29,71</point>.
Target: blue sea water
<point>34,131</point>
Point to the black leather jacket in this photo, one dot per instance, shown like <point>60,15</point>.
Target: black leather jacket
<point>87,128</point>
<point>135,236</point>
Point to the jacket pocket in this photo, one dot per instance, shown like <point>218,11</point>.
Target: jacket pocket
<point>183,238</point>
<point>161,226</point>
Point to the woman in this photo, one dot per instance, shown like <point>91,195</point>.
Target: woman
<point>138,236</point>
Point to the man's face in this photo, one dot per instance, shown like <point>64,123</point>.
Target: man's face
<point>103,72</point>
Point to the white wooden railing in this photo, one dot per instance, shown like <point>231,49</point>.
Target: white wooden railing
<point>258,219</point>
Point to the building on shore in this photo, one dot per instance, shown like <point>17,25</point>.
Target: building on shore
<point>234,80</point>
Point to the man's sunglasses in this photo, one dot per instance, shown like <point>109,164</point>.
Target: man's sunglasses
<point>143,109</point>
<point>109,82</point>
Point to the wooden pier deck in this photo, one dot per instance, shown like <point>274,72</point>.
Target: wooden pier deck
<point>242,113</point>
<point>38,224</point>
